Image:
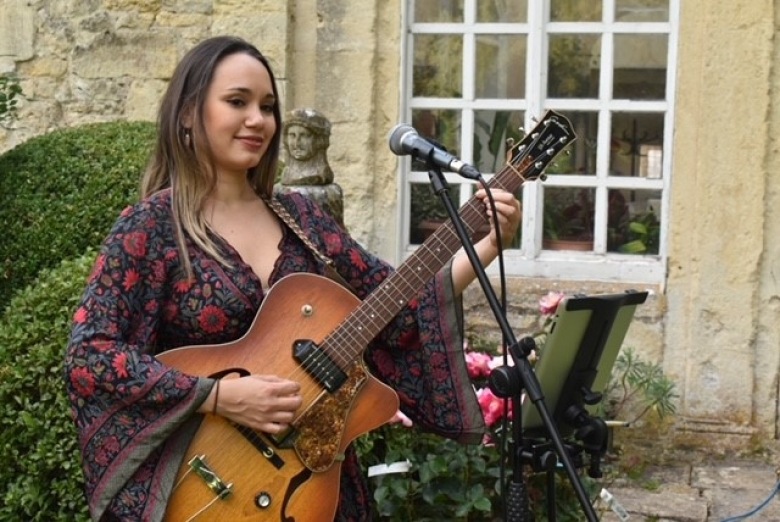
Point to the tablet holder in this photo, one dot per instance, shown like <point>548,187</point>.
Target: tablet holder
<point>573,371</point>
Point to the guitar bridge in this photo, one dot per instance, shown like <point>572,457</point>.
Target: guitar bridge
<point>216,484</point>
<point>319,365</point>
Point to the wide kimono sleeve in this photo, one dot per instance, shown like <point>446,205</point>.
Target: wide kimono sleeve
<point>124,402</point>
<point>420,352</point>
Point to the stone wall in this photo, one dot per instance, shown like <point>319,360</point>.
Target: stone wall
<point>87,61</point>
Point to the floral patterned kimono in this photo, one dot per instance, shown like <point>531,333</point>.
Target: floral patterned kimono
<point>132,412</point>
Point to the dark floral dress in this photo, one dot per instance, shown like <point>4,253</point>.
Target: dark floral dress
<point>135,416</point>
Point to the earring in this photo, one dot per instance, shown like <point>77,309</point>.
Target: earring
<point>187,137</point>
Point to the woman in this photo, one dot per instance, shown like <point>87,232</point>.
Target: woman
<point>191,263</point>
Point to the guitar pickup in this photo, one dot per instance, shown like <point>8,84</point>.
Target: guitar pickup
<point>318,364</point>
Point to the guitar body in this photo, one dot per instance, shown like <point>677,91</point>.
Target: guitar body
<point>294,477</point>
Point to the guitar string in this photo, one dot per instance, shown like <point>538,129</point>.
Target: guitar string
<point>390,292</point>
<point>471,206</point>
<point>343,335</point>
<point>443,240</point>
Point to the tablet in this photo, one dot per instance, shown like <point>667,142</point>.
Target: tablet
<point>584,340</point>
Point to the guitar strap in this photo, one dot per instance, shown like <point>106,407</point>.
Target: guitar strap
<point>293,225</point>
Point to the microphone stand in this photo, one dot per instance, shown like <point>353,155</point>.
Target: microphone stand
<point>523,372</point>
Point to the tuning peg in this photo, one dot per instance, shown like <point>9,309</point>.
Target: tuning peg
<point>543,177</point>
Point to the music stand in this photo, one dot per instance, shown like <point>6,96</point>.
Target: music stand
<point>574,370</point>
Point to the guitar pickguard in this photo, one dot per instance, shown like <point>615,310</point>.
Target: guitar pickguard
<point>319,431</point>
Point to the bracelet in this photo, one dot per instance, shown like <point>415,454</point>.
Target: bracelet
<point>216,398</point>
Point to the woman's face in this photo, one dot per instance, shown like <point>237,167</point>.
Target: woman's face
<point>238,114</point>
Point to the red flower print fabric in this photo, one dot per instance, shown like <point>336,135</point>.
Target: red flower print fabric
<point>135,416</point>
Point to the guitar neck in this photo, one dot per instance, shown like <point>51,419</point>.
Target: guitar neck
<point>529,158</point>
<point>384,303</point>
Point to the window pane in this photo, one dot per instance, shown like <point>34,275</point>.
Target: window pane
<point>640,66</point>
<point>500,66</point>
<point>502,11</point>
<point>580,156</point>
<point>427,210</point>
<point>642,10</point>
<point>637,149</point>
<point>634,221</point>
<point>438,65</point>
<point>440,125</point>
<point>574,65</point>
<point>491,130</point>
<point>568,218</point>
<point>575,11</point>
<point>443,11</point>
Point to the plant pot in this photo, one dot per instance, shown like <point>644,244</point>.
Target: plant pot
<point>579,245</point>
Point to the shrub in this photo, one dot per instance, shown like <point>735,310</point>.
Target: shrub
<point>447,481</point>
<point>40,472</point>
<point>61,192</point>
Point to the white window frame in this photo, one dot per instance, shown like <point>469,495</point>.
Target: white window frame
<point>530,260</point>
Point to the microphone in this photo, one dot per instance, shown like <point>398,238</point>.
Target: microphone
<point>405,140</point>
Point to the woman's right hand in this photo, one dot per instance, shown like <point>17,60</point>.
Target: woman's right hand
<point>262,402</point>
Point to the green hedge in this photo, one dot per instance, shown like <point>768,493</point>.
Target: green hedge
<point>40,472</point>
<point>61,192</point>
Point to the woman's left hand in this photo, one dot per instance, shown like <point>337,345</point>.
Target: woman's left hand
<point>509,214</point>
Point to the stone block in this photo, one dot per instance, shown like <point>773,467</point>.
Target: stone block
<point>143,99</point>
<point>118,56</point>
<point>17,29</point>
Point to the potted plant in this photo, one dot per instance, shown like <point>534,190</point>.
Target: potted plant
<point>643,233</point>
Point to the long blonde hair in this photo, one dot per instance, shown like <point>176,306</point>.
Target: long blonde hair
<point>182,159</point>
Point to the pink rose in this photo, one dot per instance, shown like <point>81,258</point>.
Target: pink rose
<point>491,405</point>
<point>549,303</point>
<point>478,364</point>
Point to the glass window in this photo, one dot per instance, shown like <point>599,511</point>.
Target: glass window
<point>575,10</point>
<point>492,129</point>
<point>642,10</point>
<point>482,71</point>
<point>502,11</point>
<point>569,215</point>
<point>438,67</point>
<point>500,63</point>
<point>437,11</point>
<point>640,66</point>
<point>634,221</point>
<point>574,65</point>
<point>636,144</point>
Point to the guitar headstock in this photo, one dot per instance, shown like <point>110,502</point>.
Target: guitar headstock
<point>537,149</point>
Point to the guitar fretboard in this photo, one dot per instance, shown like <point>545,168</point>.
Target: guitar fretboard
<point>348,340</point>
